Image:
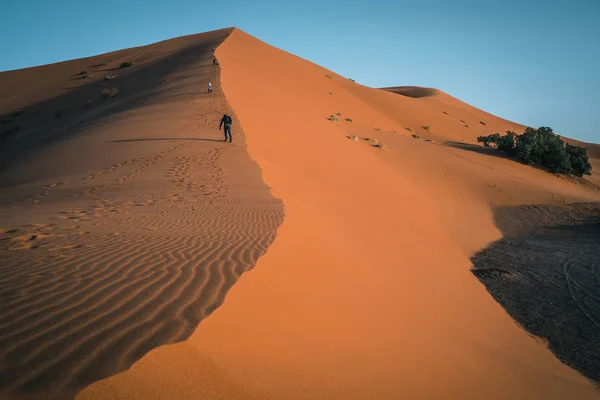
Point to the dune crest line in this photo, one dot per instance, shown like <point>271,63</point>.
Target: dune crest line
<point>129,257</point>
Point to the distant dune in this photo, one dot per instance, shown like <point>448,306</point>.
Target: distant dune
<point>127,227</point>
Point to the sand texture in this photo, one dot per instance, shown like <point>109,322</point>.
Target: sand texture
<point>101,265</point>
<point>392,273</point>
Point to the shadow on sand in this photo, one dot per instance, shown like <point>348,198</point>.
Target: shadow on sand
<point>545,272</point>
<point>488,151</point>
<point>169,139</point>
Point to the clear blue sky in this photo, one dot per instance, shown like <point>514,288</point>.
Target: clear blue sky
<point>533,62</point>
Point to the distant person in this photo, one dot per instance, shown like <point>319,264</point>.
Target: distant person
<point>226,124</point>
<point>209,87</point>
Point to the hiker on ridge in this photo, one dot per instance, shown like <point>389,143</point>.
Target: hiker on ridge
<point>226,123</point>
<point>209,87</point>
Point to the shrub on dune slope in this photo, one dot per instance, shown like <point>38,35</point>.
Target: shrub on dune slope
<point>542,147</point>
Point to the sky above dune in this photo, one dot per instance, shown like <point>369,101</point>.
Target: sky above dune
<point>532,62</point>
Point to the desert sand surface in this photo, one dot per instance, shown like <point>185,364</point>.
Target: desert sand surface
<point>126,225</point>
<point>386,279</point>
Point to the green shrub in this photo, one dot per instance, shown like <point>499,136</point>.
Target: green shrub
<point>416,136</point>
<point>409,129</point>
<point>482,123</point>
<point>578,157</point>
<point>125,64</point>
<point>489,139</point>
<point>542,147</point>
<point>427,128</point>
<point>339,114</point>
<point>328,76</point>
<point>349,119</point>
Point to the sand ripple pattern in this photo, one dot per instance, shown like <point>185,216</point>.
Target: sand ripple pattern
<point>87,295</point>
<point>87,303</point>
<point>546,273</point>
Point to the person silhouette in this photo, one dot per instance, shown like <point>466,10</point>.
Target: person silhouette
<point>226,124</point>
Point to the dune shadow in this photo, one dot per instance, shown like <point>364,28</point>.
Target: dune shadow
<point>545,272</point>
<point>415,92</point>
<point>488,151</point>
<point>77,307</point>
<point>39,127</point>
<point>167,139</point>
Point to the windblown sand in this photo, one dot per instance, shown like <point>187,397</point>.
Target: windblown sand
<point>101,265</point>
<point>371,288</point>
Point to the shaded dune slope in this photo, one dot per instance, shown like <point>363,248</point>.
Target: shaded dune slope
<point>551,254</point>
<point>130,245</point>
<point>48,103</point>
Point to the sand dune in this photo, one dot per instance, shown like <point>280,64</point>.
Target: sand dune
<point>368,288</point>
<point>367,291</point>
<point>124,237</point>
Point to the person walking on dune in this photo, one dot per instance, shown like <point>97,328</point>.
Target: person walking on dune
<point>226,124</point>
<point>209,87</point>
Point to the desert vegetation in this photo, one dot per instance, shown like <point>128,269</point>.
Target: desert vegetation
<point>542,147</point>
<point>125,64</point>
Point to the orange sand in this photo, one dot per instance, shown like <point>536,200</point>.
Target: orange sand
<point>366,292</point>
